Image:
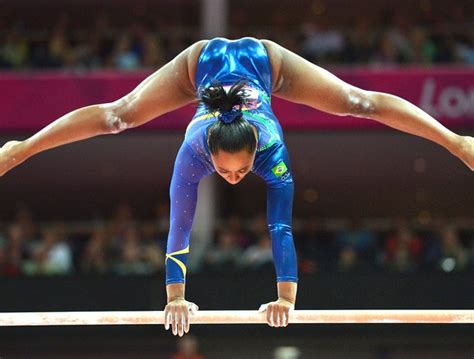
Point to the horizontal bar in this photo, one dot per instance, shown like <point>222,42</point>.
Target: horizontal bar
<point>241,317</point>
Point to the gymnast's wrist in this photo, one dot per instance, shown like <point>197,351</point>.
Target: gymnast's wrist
<point>287,291</point>
<point>287,300</point>
<point>175,291</point>
<point>172,299</point>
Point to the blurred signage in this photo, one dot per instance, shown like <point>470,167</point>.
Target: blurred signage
<point>30,101</point>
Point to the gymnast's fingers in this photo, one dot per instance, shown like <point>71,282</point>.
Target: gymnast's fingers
<point>186,320</point>
<point>270,315</point>
<point>276,319</point>
<point>181,314</point>
<point>285,317</point>
<point>167,318</point>
<point>175,322</point>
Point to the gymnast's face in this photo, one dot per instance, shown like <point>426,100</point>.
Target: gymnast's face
<point>233,167</point>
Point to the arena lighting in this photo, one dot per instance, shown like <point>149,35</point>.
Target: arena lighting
<point>374,316</point>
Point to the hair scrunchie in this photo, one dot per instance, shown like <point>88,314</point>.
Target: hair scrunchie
<point>229,116</point>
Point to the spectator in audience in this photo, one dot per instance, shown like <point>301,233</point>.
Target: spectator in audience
<point>421,49</point>
<point>122,219</point>
<point>286,352</point>
<point>94,45</point>
<point>94,258</point>
<point>52,255</point>
<point>153,246</point>
<point>448,254</point>
<point>104,40</point>
<point>175,43</point>
<point>153,56</point>
<point>226,254</point>
<point>361,41</point>
<point>464,49</point>
<point>471,249</point>
<point>124,56</point>
<point>4,265</point>
<point>153,256</point>
<point>130,262</point>
<point>321,43</point>
<point>24,219</point>
<point>162,213</point>
<point>130,259</point>
<point>348,260</point>
<point>258,227</point>
<point>315,247</point>
<point>86,53</point>
<point>445,48</point>
<point>234,225</point>
<point>403,249</point>
<point>13,251</point>
<point>397,32</point>
<point>136,257</point>
<point>59,47</point>
<point>360,240</point>
<point>259,255</point>
<point>386,51</point>
<point>188,348</point>
<point>14,50</point>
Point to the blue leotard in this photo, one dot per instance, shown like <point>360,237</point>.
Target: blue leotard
<point>229,61</point>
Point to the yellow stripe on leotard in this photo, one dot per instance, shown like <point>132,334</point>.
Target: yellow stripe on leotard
<point>177,261</point>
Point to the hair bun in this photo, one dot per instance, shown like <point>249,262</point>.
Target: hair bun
<point>230,116</point>
<point>217,99</point>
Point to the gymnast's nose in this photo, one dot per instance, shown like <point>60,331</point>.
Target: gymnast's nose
<point>233,178</point>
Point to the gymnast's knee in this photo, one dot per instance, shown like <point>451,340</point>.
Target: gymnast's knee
<point>361,103</point>
<point>114,117</point>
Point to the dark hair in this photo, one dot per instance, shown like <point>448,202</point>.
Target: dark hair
<point>231,132</point>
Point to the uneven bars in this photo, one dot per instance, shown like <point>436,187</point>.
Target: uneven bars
<point>241,317</point>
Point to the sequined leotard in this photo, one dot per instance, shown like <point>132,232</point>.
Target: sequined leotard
<point>229,61</point>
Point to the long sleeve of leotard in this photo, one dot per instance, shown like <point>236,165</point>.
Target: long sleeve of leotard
<point>275,170</point>
<point>188,171</point>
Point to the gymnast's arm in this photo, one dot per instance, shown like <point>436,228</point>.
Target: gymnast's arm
<point>279,213</point>
<point>188,171</point>
<point>277,174</point>
<point>300,81</point>
<point>170,87</point>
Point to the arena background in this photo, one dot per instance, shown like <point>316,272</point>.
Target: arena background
<point>383,219</point>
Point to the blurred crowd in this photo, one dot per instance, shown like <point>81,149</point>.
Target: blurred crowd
<point>102,44</point>
<point>127,245</point>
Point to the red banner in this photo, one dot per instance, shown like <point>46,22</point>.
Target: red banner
<point>30,101</point>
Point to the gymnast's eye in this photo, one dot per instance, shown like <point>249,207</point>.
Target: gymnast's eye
<point>243,171</point>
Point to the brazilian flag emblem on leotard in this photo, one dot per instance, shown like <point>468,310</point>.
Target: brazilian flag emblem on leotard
<point>280,169</point>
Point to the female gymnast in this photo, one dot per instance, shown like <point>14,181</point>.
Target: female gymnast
<point>234,132</point>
